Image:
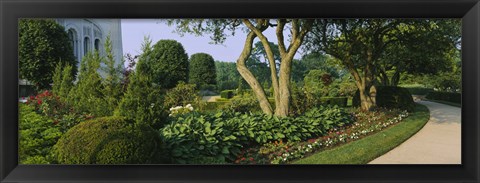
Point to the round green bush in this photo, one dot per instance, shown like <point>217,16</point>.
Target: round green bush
<point>166,63</point>
<point>390,97</point>
<point>107,140</point>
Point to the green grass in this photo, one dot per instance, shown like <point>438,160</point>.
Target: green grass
<point>446,103</point>
<point>368,148</point>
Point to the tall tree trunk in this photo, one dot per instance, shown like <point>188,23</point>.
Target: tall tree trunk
<point>367,101</point>
<point>281,84</point>
<point>250,78</point>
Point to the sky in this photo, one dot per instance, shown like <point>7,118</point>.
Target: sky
<point>134,31</point>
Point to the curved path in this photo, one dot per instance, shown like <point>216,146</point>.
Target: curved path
<point>438,142</point>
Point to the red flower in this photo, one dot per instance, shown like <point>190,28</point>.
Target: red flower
<point>243,159</point>
<point>251,159</point>
<point>39,102</point>
<point>31,97</point>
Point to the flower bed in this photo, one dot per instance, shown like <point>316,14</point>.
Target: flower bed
<point>284,152</point>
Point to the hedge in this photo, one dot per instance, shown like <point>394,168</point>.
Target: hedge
<point>227,94</point>
<point>390,97</point>
<point>107,140</point>
<point>445,96</point>
<point>419,90</point>
<point>211,106</point>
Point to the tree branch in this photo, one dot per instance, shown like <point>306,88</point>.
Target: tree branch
<point>280,38</point>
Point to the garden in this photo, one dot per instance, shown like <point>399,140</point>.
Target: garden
<point>268,107</point>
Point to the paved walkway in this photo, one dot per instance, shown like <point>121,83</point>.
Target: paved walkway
<point>438,142</point>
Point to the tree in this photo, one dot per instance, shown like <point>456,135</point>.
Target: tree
<point>43,44</point>
<point>364,45</point>
<point>87,95</point>
<point>112,81</point>
<point>316,61</point>
<point>143,101</point>
<point>254,29</point>
<point>423,47</point>
<point>357,44</point>
<point>166,63</point>
<point>62,81</point>
<point>202,70</point>
<point>227,75</point>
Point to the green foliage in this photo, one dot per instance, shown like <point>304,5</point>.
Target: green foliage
<point>214,106</point>
<point>419,90</point>
<point>299,100</point>
<point>315,61</point>
<point>37,135</point>
<point>317,82</point>
<point>222,135</point>
<point>346,86</point>
<point>227,75</point>
<point>107,140</point>
<point>87,95</point>
<point>202,70</point>
<point>339,101</point>
<point>390,97</point>
<point>42,44</point>
<point>166,63</point>
<point>143,101</point>
<point>227,94</point>
<point>182,95</point>
<point>112,81</point>
<point>445,96</point>
<point>243,103</point>
<point>447,81</point>
<point>62,81</point>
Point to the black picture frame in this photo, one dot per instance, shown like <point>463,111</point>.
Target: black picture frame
<point>468,10</point>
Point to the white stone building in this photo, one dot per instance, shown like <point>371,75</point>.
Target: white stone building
<point>90,34</point>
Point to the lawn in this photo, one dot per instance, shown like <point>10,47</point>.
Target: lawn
<point>366,149</point>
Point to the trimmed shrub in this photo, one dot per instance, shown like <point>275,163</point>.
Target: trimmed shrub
<point>419,90</point>
<point>202,71</point>
<point>227,94</point>
<point>445,96</point>
<point>166,63</point>
<point>339,101</point>
<point>107,140</point>
<point>213,106</point>
<point>390,97</point>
